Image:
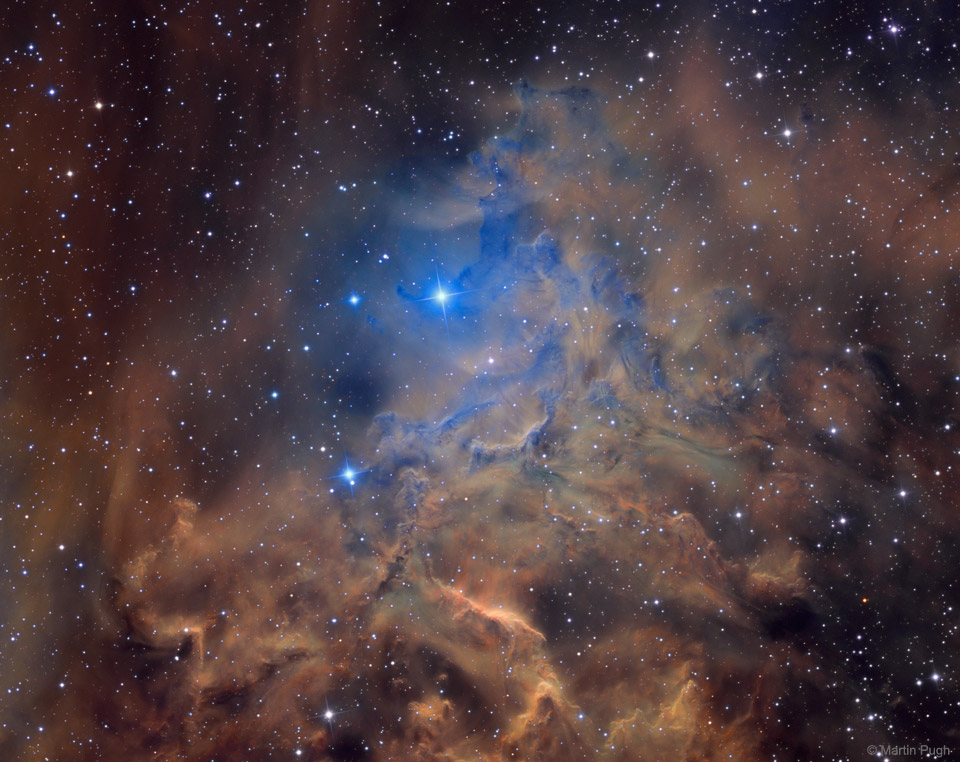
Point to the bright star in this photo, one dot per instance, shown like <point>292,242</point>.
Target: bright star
<point>354,300</point>
<point>441,296</point>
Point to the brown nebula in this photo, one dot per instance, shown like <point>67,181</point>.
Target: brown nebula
<point>666,474</point>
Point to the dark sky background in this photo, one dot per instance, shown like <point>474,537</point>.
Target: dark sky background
<point>464,381</point>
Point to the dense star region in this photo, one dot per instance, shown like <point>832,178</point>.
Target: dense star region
<point>451,381</point>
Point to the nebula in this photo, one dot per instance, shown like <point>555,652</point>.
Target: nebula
<point>613,420</point>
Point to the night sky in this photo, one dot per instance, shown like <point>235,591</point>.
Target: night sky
<point>447,381</point>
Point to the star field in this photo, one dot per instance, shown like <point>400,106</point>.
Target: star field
<point>453,381</point>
